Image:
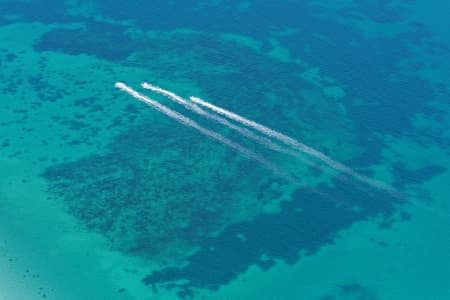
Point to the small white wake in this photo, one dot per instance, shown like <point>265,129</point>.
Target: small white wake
<point>294,144</point>
<point>209,133</point>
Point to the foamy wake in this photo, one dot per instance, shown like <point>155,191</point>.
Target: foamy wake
<point>294,149</point>
<point>191,123</point>
<point>293,143</point>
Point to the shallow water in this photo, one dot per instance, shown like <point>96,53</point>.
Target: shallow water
<point>105,197</point>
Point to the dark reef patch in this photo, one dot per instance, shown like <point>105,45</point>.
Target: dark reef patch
<point>95,38</point>
<point>404,176</point>
<point>154,194</point>
<point>53,11</point>
<point>351,291</point>
<point>309,221</point>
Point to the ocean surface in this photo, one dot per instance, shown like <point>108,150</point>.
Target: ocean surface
<point>313,164</point>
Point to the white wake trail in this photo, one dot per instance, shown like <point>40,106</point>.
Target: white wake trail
<point>209,133</point>
<point>293,143</point>
<point>241,130</point>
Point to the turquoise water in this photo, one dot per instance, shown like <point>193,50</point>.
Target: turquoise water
<point>343,194</point>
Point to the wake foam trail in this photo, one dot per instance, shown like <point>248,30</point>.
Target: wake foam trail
<point>294,143</point>
<point>209,133</point>
<point>241,130</point>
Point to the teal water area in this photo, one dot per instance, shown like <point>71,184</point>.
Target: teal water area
<point>105,197</point>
